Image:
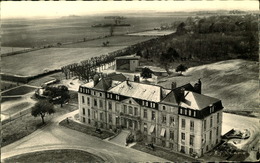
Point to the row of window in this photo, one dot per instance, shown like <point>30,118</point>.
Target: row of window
<point>191,113</point>
<point>164,119</point>
<point>153,114</point>
<point>163,131</point>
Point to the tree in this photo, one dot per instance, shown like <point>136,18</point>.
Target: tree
<point>58,94</point>
<point>167,58</point>
<point>41,108</point>
<point>146,73</point>
<point>181,68</point>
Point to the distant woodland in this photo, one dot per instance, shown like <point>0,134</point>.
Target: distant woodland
<point>211,38</point>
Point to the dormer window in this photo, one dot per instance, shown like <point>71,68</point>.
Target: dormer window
<point>130,102</point>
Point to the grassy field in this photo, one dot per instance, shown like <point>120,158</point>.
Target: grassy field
<point>113,41</point>
<point>11,49</point>
<point>86,129</point>
<point>16,108</point>
<point>36,62</point>
<point>62,155</point>
<point>21,90</point>
<point>235,82</point>
<point>27,124</point>
<point>7,85</point>
<point>39,32</point>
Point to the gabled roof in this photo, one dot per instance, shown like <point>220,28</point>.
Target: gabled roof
<point>117,77</point>
<point>197,101</point>
<point>174,97</point>
<point>138,90</point>
<point>104,84</point>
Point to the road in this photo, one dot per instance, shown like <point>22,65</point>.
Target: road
<point>53,136</point>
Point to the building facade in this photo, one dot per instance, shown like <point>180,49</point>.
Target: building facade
<point>180,118</point>
<point>127,63</point>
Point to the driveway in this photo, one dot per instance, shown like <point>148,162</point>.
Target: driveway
<point>53,136</point>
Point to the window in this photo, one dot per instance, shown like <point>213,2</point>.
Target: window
<point>130,122</point>
<point>111,96</point>
<point>192,125</point>
<point>136,111</point>
<point>182,149</point>
<point>191,150</point>
<point>163,118</point>
<point>117,120</point>
<point>182,136</point>
<point>89,121</point>
<point>100,94</point>
<point>109,105</point>
<point>211,121</point>
<point>95,114</point>
<point>83,100</point>
<point>145,113</point>
<point>125,109</point>
<point>171,120</point>
<point>194,113</point>
<point>182,123</point>
<point>171,145</point>
<point>145,127</point>
<point>95,102</point>
<point>101,116</point>
<point>171,135</point>
<point>88,112</point>
<point>185,112</point>
<point>84,120</point>
<point>88,100</point>
<point>191,140</point>
<point>217,131</point>
<point>83,111</point>
<point>180,111</point>
<point>100,103</point>
<point>107,95</point>
<point>163,132</point>
<point>109,118</point>
<point>147,104</point>
<point>130,102</point>
<point>153,115</point>
<point>218,118</point>
<point>205,125</point>
<point>210,135</point>
<point>117,97</point>
<point>163,107</point>
<point>130,110</point>
<point>163,143</point>
<point>94,93</point>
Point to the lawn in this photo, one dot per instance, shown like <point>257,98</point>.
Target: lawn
<point>5,99</point>
<point>21,90</point>
<point>7,85</point>
<point>62,155</point>
<point>16,108</point>
<point>113,41</point>
<point>234,82</point>
<point>163,153</point>
<point>27,124</point>
<point>85,129</point>
<point>40,61</point>
<point>11,49</point>
<point>39,81</point>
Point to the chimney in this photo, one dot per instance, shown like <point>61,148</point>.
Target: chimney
<point>181,94</point>
<point>173,85</point>
<point>96,79</point>
<point>127,82</point>
<point>197,87</point>
<point>136,78</point>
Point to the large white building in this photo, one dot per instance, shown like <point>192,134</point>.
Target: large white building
<point>180,118</point>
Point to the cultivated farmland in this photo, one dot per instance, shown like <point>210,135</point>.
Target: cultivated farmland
<point>40,61</point>
<point>113,41</point>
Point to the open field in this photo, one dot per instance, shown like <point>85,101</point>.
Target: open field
<point>39,32</point>
<point>12,49</point>
<point>113,41</point>
<point>15,108</point>
<point>235,82</point>
<point>152,33</point>
<point>62,155</point>
<point>21,90</point>
<point>36,62</point>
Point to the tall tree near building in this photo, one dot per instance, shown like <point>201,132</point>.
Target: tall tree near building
<point>167,58</point>
<point>181,68</point>
<point>146,73</point>
<point>41,108</point>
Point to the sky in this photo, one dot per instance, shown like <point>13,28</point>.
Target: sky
<point>27,9</point>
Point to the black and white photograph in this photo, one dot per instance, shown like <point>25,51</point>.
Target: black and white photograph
<point>130,81</point>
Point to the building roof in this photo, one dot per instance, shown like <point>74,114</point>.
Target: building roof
<point>104,84</point>
<point>117,77</point>
<point>134,57</point>
<point>140,91</point>
<point>197,101</point>
<point>174,97</point>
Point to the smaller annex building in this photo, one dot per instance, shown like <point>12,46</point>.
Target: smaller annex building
<point>127,63</point>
